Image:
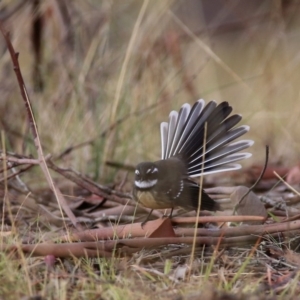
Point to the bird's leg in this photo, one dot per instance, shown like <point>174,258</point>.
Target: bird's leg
<point>168,216</point>
<point>146,220</point>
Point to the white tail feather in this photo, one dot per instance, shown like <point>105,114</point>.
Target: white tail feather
<point>179,137</point>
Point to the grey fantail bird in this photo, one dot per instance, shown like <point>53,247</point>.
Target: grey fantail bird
<point>196,141</point>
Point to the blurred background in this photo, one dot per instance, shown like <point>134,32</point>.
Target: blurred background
<point>102,75</point>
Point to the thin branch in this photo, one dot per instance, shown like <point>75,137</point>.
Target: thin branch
<point>33,127</point>
<point>16,173</point>
<point>23,161</point>
<point>106,131</point>
<point>288,185</point>
<point>86,183</point>
<point>259,178</point>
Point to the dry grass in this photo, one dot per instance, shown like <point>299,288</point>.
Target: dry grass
<point>135,61</point>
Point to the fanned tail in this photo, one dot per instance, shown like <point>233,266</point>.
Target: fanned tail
<point>185,133</point>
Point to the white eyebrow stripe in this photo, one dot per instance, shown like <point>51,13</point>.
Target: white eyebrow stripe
<point>145,184</point>
<point>137,172</point>
<point>155,170</point>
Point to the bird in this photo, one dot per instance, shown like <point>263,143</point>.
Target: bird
<point>196,141</point>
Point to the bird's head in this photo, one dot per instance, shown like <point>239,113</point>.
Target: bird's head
<point>146,175</point>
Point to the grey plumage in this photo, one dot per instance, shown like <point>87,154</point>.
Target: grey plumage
<point>184,136</point>
<point>197,140</point>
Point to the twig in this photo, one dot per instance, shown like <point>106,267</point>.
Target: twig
<point>288,185</point>
<point>259,178</point>
<point>71,148</point>
<point>199,203</point>
<point>33,127</point>
<point>215,219</point>
<point>122,166</point>
<point>108,129</point>
<point>74,176</point>
<point>16,174</point>
<point>86,183</point>
<point>22,161</point>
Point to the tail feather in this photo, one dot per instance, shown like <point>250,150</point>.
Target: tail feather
<point>182,117</point>
<point>213,120</point>
<point>224,137</point>
<point>173,117</point>
<point>164,138</point>
<point>216,145</point>
<point>188,125</point>
<point>216,155</point>
<point>192,125</point>
<point>196,171</point>
<point>218,169</point>
<point>214,134</point>
<point>183,136</point>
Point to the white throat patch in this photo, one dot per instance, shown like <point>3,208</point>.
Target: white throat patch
<point>145,184</point>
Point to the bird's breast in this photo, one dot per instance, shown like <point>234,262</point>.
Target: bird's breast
<point>148,199</point>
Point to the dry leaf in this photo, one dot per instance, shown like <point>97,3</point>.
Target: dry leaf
<point>249,206</point>
<point>160,228</point>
